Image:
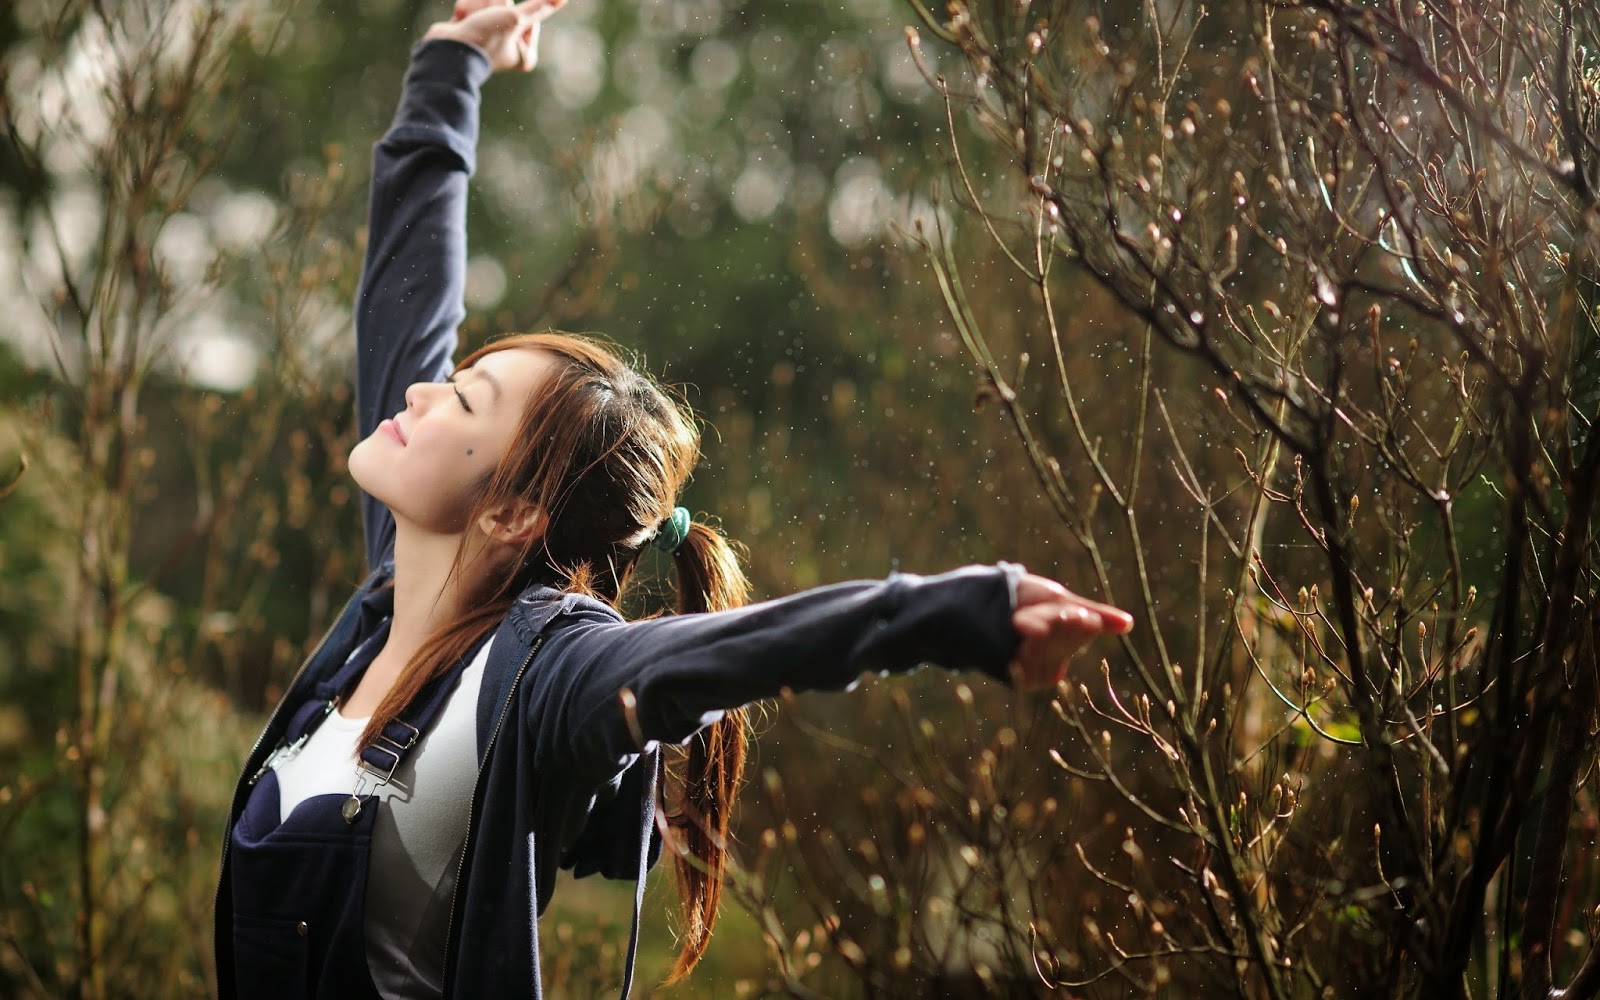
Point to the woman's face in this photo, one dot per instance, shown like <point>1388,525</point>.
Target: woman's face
<point>427,462</point>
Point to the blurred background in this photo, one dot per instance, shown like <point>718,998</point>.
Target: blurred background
<point>1275,324</point>
<point>719,187</point>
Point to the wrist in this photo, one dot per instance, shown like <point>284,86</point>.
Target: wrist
<point>446,31</point>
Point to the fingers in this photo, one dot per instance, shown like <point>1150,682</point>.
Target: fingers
<point>1035,590</point>
<point>1040,619</point>
<point>1053,625</point>
<point>528,47</point>
<point>530,15</point>
<point>1041,661</point>
<point>1032,589</point>
<point>1043,619</point>
<point>503,14</point>
<point>466,8</point>
<point>538,9</point>
<point>1117,621</point>
<point>506,32</point>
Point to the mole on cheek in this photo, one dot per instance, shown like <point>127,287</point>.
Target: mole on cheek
<point>469,451</point>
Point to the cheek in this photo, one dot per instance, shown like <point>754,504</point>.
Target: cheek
<point>432,482</point>
<point>387,471</point>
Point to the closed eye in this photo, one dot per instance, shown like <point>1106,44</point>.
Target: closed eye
<point>460,396</point>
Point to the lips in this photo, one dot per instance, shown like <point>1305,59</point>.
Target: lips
<point>392,429</point>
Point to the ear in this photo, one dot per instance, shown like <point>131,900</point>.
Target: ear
<point>512,524</point>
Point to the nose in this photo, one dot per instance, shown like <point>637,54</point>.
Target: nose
<point>417,393</point>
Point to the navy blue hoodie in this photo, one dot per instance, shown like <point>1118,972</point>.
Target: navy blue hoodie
<point>560,780</point>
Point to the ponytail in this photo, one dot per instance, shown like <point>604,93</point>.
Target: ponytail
<point>709,579</point>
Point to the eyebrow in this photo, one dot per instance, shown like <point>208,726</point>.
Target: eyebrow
<point>486,375</point>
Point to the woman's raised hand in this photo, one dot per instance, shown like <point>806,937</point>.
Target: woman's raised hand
<point>508,33</point>
<point>1052,624</point>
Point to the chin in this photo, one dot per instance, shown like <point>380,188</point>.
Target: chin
<point>359,463</point>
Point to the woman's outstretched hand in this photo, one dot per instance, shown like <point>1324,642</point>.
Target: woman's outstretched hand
<point>508,33</point>
<point>1053,624</point>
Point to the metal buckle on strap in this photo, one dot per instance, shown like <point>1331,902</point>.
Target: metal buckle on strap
<point>283,752</point>
<point>410,739</point>
<point>394,749</point>
<point>376,770</point>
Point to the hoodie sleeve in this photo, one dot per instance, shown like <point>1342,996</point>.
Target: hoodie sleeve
<point>684,671</point>
<point>409,302</point>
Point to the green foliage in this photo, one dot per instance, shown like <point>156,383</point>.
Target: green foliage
<point>633,208</point>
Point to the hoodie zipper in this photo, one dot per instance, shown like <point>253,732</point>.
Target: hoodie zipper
<point>472,809</point>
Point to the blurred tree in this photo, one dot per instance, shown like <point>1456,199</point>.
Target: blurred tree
<point>176,199</point>
<point>121,752</point>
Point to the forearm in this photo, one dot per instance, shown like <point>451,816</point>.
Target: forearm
<point>410,298</point>
<point>682,671</point>
<point>409,302</point>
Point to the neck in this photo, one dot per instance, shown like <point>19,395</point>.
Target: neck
<point>427,594</point>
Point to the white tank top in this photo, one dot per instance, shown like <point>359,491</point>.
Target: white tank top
<point>417,838</point>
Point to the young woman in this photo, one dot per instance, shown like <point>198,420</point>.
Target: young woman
<point>480,715</point>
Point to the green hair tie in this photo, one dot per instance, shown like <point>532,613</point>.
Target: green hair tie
<point>673,530</point>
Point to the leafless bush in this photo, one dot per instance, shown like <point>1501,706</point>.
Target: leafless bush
<point>1356,243</point>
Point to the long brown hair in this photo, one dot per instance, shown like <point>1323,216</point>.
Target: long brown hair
<point>603,453</point>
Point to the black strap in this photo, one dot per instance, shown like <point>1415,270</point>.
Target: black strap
<point>533,910</point>
<point>647,826</point>
<point>647,820</point>
<point>400,735</point>
<point>355,664</point>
